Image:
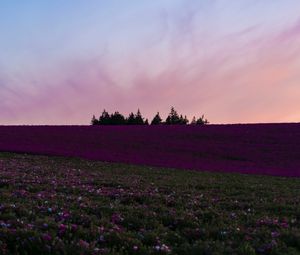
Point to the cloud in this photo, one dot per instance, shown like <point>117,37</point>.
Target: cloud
<point>250,75</point>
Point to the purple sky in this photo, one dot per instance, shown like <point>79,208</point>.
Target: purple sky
<point>234,61</point>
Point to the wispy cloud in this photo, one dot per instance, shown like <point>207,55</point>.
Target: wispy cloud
<point>245,74</point>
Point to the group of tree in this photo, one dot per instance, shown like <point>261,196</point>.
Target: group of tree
<point>173,118</point>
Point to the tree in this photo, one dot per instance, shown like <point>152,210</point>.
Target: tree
<point>156,120</point>
<point>183,121</point>
<point>139,120</point>
<point>194,121</point>
<point>131,119</point>
<point>117,119</point>
<point>135,119</point>
<point>104,119</point>
<point>202,121</point>
<point>94,121</point>
<point>173,117</point>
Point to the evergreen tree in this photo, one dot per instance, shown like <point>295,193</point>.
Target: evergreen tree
<point>194,121</point>
<point>185,120</point>
<point>117,119</point>
<point>139,120</point>
<point>131,119</point>
<point>156,120</point>
<point>202,121</point>
<point>173,117</point>
<point>94,121</point>
<point>104,119</point>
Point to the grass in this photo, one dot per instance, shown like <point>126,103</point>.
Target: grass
<point>55,205</point>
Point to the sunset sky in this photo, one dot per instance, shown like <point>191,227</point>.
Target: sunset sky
<point>234,61</point>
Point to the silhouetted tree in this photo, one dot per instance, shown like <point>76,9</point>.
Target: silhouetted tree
<point>139,120</point>
<point>183,121</point>
<point>104,119</point>
<point>173,117</point>
<point>94,121</point>
<point>193,122</point>
<point>117,119</point>
<point>156,120</point>
<point>135,119</point>
<point>202,121</point>
<point>131,119</point>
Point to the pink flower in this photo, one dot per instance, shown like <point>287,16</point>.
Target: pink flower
<point>116,218</point>
<point>46,237</point>
<point>284,225</point>
<point>74,227</point>
<point>83,244</point>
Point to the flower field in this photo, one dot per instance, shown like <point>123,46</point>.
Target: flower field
<point>56,205</point>
<point>271,149</point>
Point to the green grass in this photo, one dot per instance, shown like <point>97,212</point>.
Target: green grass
<point>55,205</point>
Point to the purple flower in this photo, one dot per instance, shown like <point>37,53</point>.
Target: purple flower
<point>46,237</point>
<point>83,244</point>
<point>275,234</point>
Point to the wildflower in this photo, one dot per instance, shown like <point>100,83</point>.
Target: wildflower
<point>65,215</point>
<point>83,243</point>
<point>165,248</point>
<point>62,228</point>
<point>275,234</point>
<point>74,227</point>
<point>101,229</point>
<point>223,233</point>
<point>162,247</point>
<point>248,238</point>
<point>157,248</point>
<point>116,218</point>
<point>284,224</point>
<point>46,237</point>
<point>101,238</point>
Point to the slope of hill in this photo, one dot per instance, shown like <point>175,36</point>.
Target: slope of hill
<point>56,205</point>
<point>272,149</point>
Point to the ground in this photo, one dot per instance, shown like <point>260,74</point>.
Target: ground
<point>56,205</point>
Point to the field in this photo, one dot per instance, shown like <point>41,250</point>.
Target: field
<point>272,149</point>
<point>115,189</point>
<point>56,205</point>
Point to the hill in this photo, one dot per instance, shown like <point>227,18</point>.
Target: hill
<point>55,205</point>
<point>272,149</point>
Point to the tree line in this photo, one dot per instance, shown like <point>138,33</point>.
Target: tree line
<point>173,118</point>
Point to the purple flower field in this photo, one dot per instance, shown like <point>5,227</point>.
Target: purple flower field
<point>272,149</point>
<point>56,205</point>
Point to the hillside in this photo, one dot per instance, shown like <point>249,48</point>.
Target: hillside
<point>56,205</point>
<point>272,149</point>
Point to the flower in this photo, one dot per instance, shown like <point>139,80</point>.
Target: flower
<point>46,237</point>
<point>83,243</point>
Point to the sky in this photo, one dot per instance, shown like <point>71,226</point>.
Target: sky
<point>233,61</point>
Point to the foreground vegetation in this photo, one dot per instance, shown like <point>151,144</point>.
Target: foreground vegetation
<point>54,205</point>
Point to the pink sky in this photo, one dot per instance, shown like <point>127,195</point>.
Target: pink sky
<point>233,67</point>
